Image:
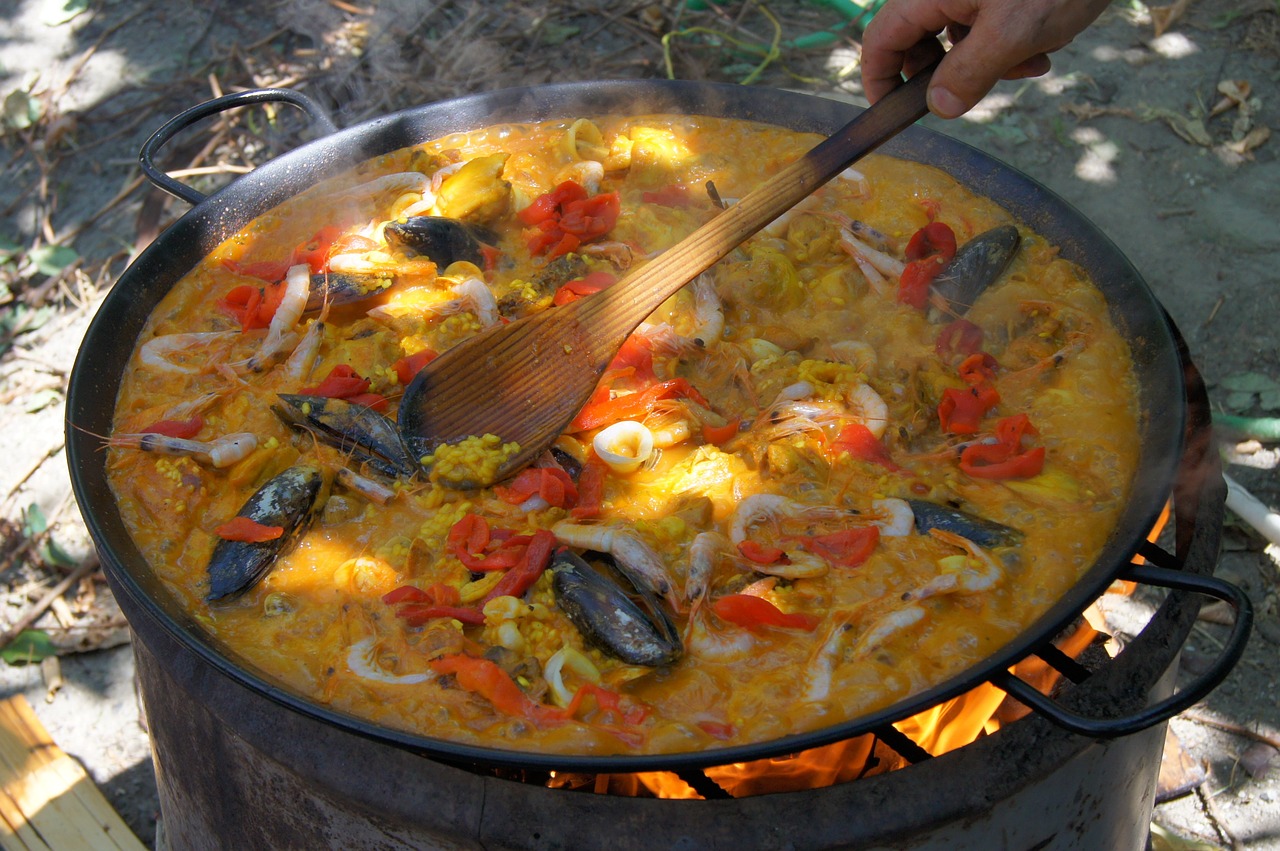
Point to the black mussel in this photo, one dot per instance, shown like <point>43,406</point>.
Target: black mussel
<point>610,619</point>
<point>290,501</point>
<point>365,434</point>
<point>567,462</point>
<point>441,240</point>
<point>333,289</point>
<point>538,294</point>
<point>976,266</point>
<point>983,532</point>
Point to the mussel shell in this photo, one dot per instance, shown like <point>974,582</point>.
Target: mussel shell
<point>290,500</point>
<point>361,431</point>
<point>976,266</point>
<point>983,532</point>
<point>609,619</point>
<point>441,240</point>
<point>334,288</point>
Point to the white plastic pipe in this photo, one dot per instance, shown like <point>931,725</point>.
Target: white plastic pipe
<point>1251,510</point>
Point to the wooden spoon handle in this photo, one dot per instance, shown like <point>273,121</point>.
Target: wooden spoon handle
<point>617,311</point>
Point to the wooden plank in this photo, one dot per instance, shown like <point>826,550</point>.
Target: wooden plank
<point>51,800</point>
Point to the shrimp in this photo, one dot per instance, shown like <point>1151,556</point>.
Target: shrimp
<point>707,310</point>
<point>760,507</point>
<point>856,353</point>
<point>399,182</point>
<point>472,295</point>
<point>701,642</point>
<point>587,173</point>
<point>894,517</point>
<point>361,662</point>
<point>619,254</point>
<point>157,353</point>
<point>704,552</point>
<point>297,286</point>
<point>882,629</point>
<point>822,663</point>
<point>868,408</point>
<point>629,550</point>
<point>366,487</point>
<point>979,571</point>
<point>219,453</point>
<point>303,359</point>
<point>187,410</point>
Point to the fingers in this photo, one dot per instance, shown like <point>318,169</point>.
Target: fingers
<point>901,37</point>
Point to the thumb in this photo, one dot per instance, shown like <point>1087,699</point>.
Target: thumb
<point>971,69</point>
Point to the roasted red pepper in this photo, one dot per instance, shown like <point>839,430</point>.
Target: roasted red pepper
<point>565,217</point>
<point>252,306</point>
<point>977,368</point>
<point>590,489</point>
<point>1005,459</point>
<point>536,557</point>
<point>847,548</point>
<point>554,486</point>
<point>342,382</point>
<point>635,406</point>
<point>247,531</point>
<point>673,195</point>
<point>763,554</point>
<point>960,411</point>
<point>752,612</point>
<point>470,537</point>
<point>721,434</point>
<point>858,441</point>
<point>495,685</point>
<point>930,250</point>
<point>416,614</point>
<point>958,337</point>
<point>176,428</point>
<point>410,365</point>
<point>589,284</point>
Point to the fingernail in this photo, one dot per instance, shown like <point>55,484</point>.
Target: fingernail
<point>944,104</point>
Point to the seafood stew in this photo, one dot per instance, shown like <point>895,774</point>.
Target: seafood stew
<point>816,481</point>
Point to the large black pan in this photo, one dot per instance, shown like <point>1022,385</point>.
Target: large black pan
<point>96,379</point>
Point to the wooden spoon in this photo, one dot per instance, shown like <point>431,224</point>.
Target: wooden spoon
<point>525,381</point>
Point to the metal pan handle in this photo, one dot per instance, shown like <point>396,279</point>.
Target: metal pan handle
<point>185,119</point>
<point>1164,577</point>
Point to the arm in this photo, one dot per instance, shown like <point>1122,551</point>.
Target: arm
<point>993,40</point>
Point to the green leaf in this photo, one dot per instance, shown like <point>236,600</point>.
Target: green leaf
<point>52,259</point>
<point>33,521</point>
<point>53,553</point>
<point>31,645</point>
<point>1269,400</point>
<point>1250,382</point>
<point>8,249</point>
<point>21,110</point>
<point>58,13</point>
<point>42,399</point>
<point>554,34</point>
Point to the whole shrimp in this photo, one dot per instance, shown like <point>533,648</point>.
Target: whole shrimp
<point>632,553</point>
<point>980,572</point>
<point>221,452</point>
<point>280,335</point>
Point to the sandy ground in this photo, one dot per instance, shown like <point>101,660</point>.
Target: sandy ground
<point>1122,129</point>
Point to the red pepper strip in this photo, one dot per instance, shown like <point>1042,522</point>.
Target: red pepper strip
<point>637,354</point>
<point>934,239</point>
<point>930,250</point>
<point>961,410</point>
<point>315,251</point>
<point>674,195</point>
<point>633,406</point>
<point>547,205</point>
<point>717,730</point>
<point>752,612</point>
<point>248,531</point>
<point>495,685</point>
<point>763,554</point>
<point>977,368</point>
<point>555,486</point>
<point>252,306</point>
<point>858,441</point>
<point>608,703</point>
<point>958,337</point>
<point>416,614</point>
<point>537,555</point>
<point>410,365</point>
<point>590,284</point>
<point>847,548</point>
<point>471,535</point>
<point>176,428</point>
<point>994,461</point>
<point>721,434</point>
<point>342,382</point>
<point>590,489</point>
<point>407,594</point>
<point>1005,460</point>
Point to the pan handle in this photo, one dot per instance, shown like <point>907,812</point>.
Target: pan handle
<point>1165,577</point>
<point>188,117</point>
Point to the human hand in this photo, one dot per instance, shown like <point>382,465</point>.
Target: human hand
<point>992,40</point>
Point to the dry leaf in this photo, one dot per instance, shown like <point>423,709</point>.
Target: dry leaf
<point>1255,138</point>
<point>1163,17</point>
<point>1190,129</point>
<point>1085,111</point>
<point>1234,93</point>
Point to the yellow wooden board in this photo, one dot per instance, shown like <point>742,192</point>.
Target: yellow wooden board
<point>47,802</point>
